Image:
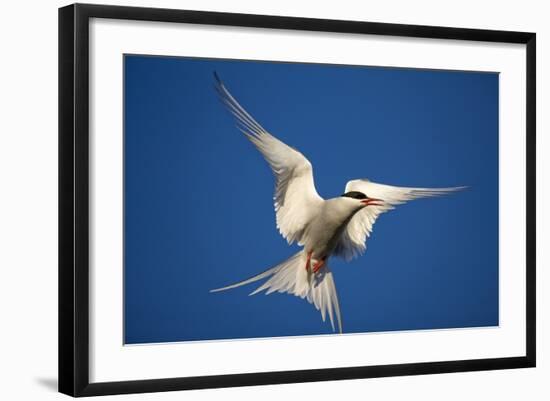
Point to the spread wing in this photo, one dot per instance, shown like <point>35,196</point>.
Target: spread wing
<point>353,240</point>
<point>295,198</point>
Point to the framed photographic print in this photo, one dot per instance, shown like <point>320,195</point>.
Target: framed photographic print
<point>376,181</point>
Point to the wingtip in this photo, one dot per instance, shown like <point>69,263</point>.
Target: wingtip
<point>458,189</point>
<point>217,78</point>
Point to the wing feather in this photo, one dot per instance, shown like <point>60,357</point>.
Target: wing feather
<point>295,199</point>
<point>353,240</point>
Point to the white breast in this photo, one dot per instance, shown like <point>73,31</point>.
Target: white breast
<point>322,234</point>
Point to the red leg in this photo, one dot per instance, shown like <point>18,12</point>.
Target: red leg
<point>317,266</point>
<point>308,261</point>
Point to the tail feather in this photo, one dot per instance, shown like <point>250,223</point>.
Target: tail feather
<point>257,277</point>
<point>291,277</point>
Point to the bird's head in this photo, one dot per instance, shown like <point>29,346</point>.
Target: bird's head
<point>361,200</point>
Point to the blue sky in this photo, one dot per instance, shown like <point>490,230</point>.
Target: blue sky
<point>198,196</point>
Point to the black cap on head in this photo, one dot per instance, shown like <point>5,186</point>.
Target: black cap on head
<point>355,195</point>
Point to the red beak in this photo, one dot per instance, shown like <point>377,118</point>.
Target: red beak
<point>372,202</point>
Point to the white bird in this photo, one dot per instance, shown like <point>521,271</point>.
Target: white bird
<point>323,227</point>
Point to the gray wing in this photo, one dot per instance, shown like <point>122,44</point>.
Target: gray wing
<point>353,241</point>
<point>296,198</point>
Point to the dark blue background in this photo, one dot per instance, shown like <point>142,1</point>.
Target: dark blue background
<point>198,196</point>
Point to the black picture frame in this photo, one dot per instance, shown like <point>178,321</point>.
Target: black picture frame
<point>74,197</point>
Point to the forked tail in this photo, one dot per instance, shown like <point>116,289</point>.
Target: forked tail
<point>291,277</point>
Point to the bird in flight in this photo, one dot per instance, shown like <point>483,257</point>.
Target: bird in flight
<point>322,227</point>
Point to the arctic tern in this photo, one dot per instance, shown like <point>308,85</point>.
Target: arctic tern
<point>322,227</point>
